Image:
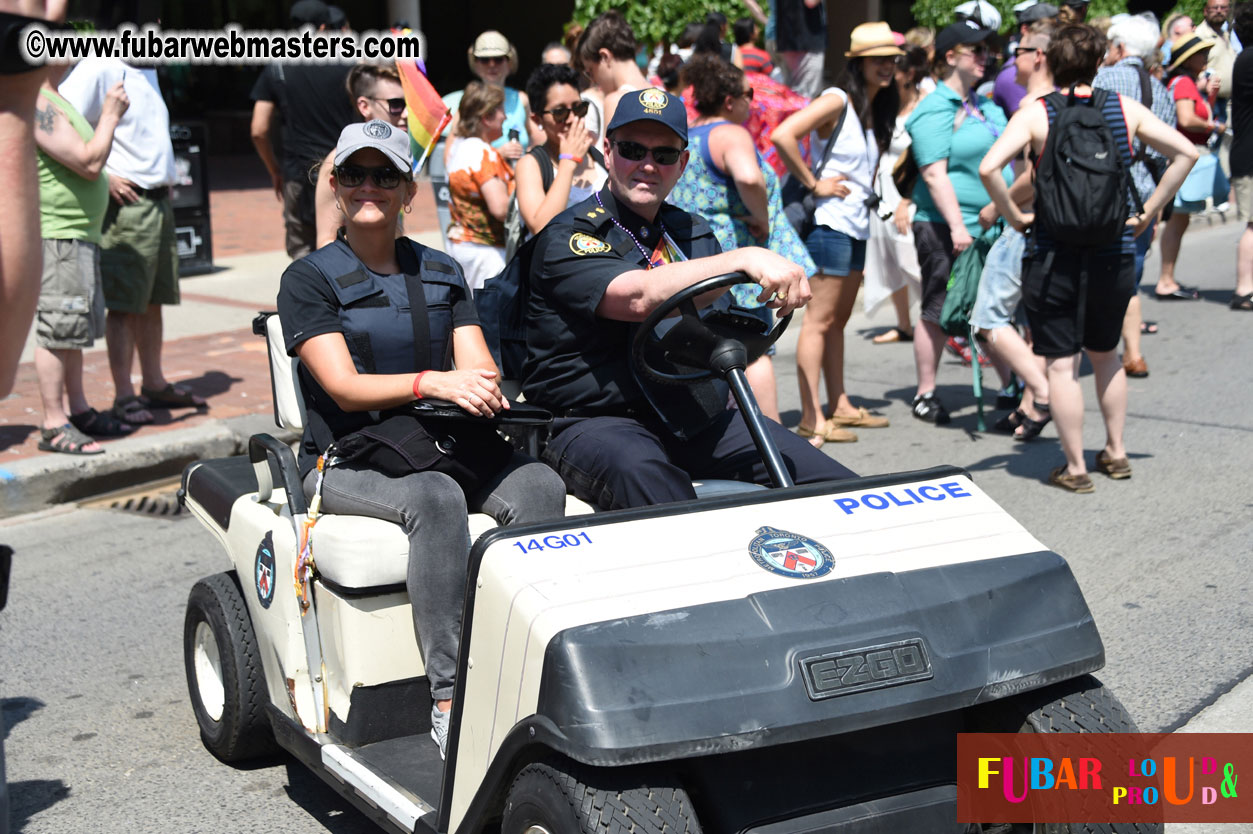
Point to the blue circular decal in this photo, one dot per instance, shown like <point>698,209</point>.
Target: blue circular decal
<point>789,554</point>
<point>264,573</point>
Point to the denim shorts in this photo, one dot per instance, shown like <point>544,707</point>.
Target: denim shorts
<point>835,253</point>
<point>1000,287</point>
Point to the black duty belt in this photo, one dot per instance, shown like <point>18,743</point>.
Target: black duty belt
<point>624,410</point>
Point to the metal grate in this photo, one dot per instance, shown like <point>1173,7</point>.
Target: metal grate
<point>153,498</point>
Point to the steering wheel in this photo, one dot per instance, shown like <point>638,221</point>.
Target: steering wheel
<point>701,347</point>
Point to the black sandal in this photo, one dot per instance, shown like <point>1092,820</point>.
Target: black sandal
<point>99,424</point>
<point>67,440</point>
<point>1031,428</point>
<point>1010,421</point>
<point>1241,302</point>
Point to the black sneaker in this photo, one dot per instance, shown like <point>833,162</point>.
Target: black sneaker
<point>928,407</point>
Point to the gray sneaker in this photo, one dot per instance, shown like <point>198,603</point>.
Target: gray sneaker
<point>439,729</point>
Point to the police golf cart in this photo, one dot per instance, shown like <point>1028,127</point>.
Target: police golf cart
<point>797,659</point>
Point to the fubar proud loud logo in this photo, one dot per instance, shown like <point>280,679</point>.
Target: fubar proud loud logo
<point>1103,777</point>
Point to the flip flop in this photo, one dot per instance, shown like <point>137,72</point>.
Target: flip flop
<point>128,409</point>
<point>1181,294</point>
<point>1148,328</point>
<point>894,334</point>
<point>171,396</point>
<point>99,424</point>
<point>66,440</point>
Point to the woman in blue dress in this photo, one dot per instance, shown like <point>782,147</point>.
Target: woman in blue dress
<point>727,183</point>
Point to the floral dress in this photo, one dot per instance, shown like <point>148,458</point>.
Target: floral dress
<point>706,191</point>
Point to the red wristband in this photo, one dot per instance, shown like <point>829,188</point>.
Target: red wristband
<point>417,395</point>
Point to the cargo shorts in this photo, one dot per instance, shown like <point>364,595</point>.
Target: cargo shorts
<point>71,298</point>
<point>139,255</point>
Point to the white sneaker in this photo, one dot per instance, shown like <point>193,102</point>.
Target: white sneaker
<point>439,728</point>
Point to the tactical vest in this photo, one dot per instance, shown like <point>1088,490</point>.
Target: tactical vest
<point>375,311</point>
<point>382,335</point>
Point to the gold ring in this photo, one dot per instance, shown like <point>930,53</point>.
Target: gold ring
<point>782,296</point>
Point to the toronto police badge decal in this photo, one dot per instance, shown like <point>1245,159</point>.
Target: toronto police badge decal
<point>790,555</point>
<point>265,571</point>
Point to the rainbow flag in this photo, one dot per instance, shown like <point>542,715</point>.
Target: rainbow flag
<point>428,115</point>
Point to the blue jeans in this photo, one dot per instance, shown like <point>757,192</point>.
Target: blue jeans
<point>835,253</point>
<point>1000,286</point>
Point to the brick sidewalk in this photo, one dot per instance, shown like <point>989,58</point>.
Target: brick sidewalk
<point>229,369</point>
<point>247,218</point>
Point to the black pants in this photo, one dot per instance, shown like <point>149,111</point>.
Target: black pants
<point>617,462</point>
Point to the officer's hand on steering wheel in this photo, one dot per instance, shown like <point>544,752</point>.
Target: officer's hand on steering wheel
<point>474,390</point>
<point>784,286</point>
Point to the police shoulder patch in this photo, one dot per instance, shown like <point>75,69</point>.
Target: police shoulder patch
<point>789,554</point>
<point>584,244</point>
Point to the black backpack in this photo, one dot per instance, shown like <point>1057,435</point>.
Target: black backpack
<point>1081,179</point>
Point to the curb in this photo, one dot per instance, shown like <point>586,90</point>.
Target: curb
<point>36,483</point>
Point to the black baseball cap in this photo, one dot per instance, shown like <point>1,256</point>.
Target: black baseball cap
<point>311,12</point>
<point>956,34</point>
<point>652,105</point>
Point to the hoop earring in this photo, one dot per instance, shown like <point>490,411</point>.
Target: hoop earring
<point>408,208</point>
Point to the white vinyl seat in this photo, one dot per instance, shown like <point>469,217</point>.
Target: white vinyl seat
<point>359,552</point>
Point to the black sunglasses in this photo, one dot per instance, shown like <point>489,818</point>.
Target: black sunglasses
<point>351,176</point>
<point>634,152</point>
<point>748,94</point>
<point>1024,50</point>
<point>560,114</point>
<point>395,106</point>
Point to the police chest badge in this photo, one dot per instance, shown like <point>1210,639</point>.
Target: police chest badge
<point>265,571</point>
<point>585,244</point>
<point>790,555</point>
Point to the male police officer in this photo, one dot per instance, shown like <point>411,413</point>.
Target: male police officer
<point>605,264</point>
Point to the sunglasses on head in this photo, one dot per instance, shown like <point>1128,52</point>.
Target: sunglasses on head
<point>634,152</point>
<point>560,114</point>
<point>351,176</point>
<point>395,106</point>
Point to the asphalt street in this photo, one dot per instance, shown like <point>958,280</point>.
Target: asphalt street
<point>100,736</point>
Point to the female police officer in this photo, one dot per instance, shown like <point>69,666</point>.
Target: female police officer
<point>605,264</point>
<point>351,319</point>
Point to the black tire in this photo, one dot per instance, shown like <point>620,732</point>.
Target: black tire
<point>560,802</point>
<point>234,726</point>
<point>1081,705</point>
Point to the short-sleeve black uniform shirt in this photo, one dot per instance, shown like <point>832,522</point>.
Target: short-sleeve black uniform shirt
<point>1242,115</point>
<point>307,306</point>
<point>576,359</point>
<point>313,102</point>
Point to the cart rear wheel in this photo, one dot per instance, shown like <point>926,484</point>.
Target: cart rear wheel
<point>224,674</point>
<point>546,799</point>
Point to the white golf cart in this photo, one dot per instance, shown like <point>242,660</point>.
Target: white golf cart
<point>797,659</point>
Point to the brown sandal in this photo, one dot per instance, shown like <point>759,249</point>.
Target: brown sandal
<point>829,434</point>
<point>1061,477</point>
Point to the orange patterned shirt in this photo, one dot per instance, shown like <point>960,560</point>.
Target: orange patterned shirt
<point>471,164</point>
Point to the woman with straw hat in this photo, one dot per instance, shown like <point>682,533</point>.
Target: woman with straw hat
<point>1189,54</point>
<point>493,59</point>
<point>849,127</point>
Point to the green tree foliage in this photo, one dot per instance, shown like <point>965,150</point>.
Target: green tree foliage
<point>939,13</point>
<point>660,20</point>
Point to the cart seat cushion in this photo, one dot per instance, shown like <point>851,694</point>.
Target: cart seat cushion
<point>358,553</point>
